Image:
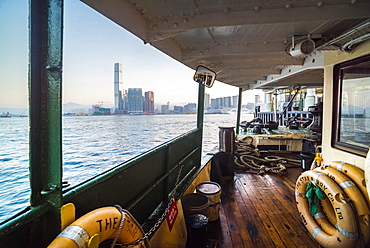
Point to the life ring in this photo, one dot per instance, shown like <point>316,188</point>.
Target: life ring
<point>97,226</point>
<point>346,229</point>
<point>328,210</point>
<point>324,223</point>
<point>367,173</point>
<point>355,174</point>
<point>357,199</point>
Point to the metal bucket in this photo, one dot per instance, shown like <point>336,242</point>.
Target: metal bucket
<point>195,203</point>
<point>213,191</point>
<point>226,139</point>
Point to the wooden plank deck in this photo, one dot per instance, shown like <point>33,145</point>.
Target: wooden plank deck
<point>259,211</point>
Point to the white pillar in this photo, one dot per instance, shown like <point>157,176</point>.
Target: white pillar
<point>310,99</point>
<point>117,82</point>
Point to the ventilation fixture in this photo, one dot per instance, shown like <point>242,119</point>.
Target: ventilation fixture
<point>302,48</point>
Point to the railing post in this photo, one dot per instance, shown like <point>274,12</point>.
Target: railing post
<point>239,110</point>
<point>200,114</point>
<point>45,77</point>
<point>275,106</point>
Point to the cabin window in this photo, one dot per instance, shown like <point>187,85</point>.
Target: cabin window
<point>351,130</point>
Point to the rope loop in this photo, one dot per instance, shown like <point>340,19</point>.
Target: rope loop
<point>120,209</point>
<point>247,156</point>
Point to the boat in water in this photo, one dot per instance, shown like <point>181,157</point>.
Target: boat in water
<point>294,176</point>
<point>217,111</point>
<point>6,115</point>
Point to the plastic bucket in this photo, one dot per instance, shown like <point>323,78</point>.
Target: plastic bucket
<point>213,191</point>
<point>195,203</point>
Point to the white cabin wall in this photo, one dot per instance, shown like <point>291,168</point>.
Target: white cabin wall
<point>332,58</point>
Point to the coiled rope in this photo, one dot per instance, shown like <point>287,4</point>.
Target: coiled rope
<point>247,156</point>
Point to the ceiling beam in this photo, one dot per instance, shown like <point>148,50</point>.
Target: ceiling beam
<point>248,71</point>
<point>217,63</point>
<point>309,74</point>
<point>168,26</point>
<point>233,49</point>
<point>171,48</point>
<point>243,64</point>
<point>123,13</point>
<point>240,78</point>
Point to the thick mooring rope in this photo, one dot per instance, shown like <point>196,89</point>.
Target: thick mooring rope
<point>247,156</point>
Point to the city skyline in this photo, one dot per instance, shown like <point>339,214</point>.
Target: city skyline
<point>143,102</point>
<point>92,44</point>
<point>132,100</point>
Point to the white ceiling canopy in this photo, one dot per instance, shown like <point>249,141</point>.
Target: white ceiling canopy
<point>248,43</point>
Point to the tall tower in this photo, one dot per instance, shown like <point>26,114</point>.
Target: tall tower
<point>117,82</point>
<point>135,100</point>
<point>207,98</point>
<point>149,102</point>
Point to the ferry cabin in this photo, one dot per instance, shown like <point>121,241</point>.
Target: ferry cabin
<point>271,45</point>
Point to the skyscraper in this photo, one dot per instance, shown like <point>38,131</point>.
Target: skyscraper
<point>149,102</point>
<point>214,104</point>
<point>207,99</point>
<point>227,102</point>
<point>118,106</point>
<point>135,100</point>
<point>235,101</point>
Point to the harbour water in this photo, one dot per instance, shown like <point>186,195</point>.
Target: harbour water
<point>91,145</point>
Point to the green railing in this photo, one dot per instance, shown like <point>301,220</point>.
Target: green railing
<point>139,185</point>
<point>143,182</point>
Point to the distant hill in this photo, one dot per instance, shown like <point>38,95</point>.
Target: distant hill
<point>72,107</point>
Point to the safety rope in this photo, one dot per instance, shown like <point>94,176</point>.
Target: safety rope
<point>247,156</point>
<point>120,209</point>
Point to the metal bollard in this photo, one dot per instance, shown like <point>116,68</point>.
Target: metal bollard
<point>197,231</point>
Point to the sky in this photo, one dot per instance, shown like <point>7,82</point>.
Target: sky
<point>92,44</point>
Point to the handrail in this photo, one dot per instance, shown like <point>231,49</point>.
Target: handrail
<point>127,164</point>
<point>269,116</point>
<point>142,198</point>
<point>24,217</point>
<point>165,176</point>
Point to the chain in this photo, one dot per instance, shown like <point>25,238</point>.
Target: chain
<point>160,220</point>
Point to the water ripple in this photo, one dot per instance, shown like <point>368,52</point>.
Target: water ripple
<point>91,145</point>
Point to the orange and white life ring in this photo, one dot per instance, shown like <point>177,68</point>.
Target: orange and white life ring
<point>355,174</point>
<point>97,226</point>
<point>346,227</point>
<point>324,223</point>
<point>357,199</point>
<point>328,210</point>
<point>367,173</point>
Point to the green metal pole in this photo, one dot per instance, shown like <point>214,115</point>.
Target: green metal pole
<point>200,114</point>
<point>45,77</point>
<point>239,110</point>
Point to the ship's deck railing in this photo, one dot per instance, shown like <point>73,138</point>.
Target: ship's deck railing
<point>139,185</point>
<point>270,116</point>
